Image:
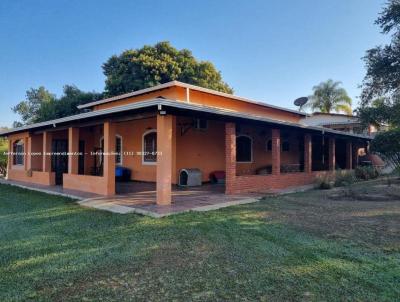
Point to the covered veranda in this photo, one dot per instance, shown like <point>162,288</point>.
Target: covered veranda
<point>317,151</point>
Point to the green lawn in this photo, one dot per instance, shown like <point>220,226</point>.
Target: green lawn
<point>300,247</point>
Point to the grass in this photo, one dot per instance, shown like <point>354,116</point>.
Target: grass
<point>298,247</point>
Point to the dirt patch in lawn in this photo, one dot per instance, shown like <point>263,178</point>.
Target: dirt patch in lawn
<point>365,213</point>
<point>380,192</point>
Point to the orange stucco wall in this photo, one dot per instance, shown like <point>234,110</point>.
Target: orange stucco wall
<point>12,138</point>
<point>203,149</point>
<point>206,99</point>
<point>37,156</point>
<point>37,177</point>
<point>91,136</point>
<point>193,148</point>
<point>20,172</point>
<point>170,93</point>
<point>190,150</point>
<point>87,183</point>
<point>263,157</point>
<point>132,136</point>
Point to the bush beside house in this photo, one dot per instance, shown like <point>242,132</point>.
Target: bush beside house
<point>3,157</point>
<point>343,178</point>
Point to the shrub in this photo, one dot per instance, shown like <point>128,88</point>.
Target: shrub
<point>339,179</point>
<point>366,172</point>
<point>3,157</point>
<point>325,182</point>
<point>344,178</point>
<point>387,145</point>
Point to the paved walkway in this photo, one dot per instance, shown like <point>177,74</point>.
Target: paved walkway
<point>204,198</point>
<point>53,190</point>
<point>122,205</point>
<point>139,197</point>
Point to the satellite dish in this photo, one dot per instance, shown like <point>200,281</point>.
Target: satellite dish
<point>300,102</point>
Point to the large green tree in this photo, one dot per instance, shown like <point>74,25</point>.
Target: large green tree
<point>41,105</point>
<point>132,70</point>
<point>380,98</point>
<point>383,62</point>
<point>136,69</point>
<point>329,96</point>
<point>37,107</point>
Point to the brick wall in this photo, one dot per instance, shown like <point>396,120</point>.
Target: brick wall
<point>230,156</point>
<point>276,151</point>
<point>270,183</point>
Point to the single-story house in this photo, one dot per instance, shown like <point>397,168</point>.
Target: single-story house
<point>158,131</point>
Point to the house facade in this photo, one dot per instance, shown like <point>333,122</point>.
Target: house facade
<point>157,132</point>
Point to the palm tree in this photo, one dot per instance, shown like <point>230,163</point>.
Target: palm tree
<point>328,97</point>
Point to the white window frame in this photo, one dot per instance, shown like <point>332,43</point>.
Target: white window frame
<point>19,143</point>
<point>251,149</point>
<point>147,163</point>
<point>122,152</point>
<point>121,157</point>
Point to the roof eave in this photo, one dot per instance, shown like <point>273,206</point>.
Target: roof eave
<point>172,103</point>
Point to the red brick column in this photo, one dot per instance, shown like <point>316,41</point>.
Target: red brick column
<point>230,157</point>
<point>307,153</point>
<point>28,152</point>
<point>276,152</point>
<point>332,155</point>
<point>349,155</point>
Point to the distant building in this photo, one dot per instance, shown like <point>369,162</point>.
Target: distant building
<point>341,122</point>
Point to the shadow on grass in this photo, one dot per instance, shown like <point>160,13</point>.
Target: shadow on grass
<point>54,249</point>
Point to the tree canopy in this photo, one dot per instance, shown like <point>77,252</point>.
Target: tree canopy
<point>329,96</point>
<point>148,66</point>
<point>380,98</point>
<point>132,70</point>
<point>41,105</point>
<point>383,62</point>
<point>387,144</point>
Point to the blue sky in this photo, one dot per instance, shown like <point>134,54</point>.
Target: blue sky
<point>268,50</point>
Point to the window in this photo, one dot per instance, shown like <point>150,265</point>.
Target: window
<point>244,149</point>
<point>269,145</point>
<point>18,150</point>
<point>118,148</point>
<point>285,146</point>
<point>200,124</point>
<point>149,147</point>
